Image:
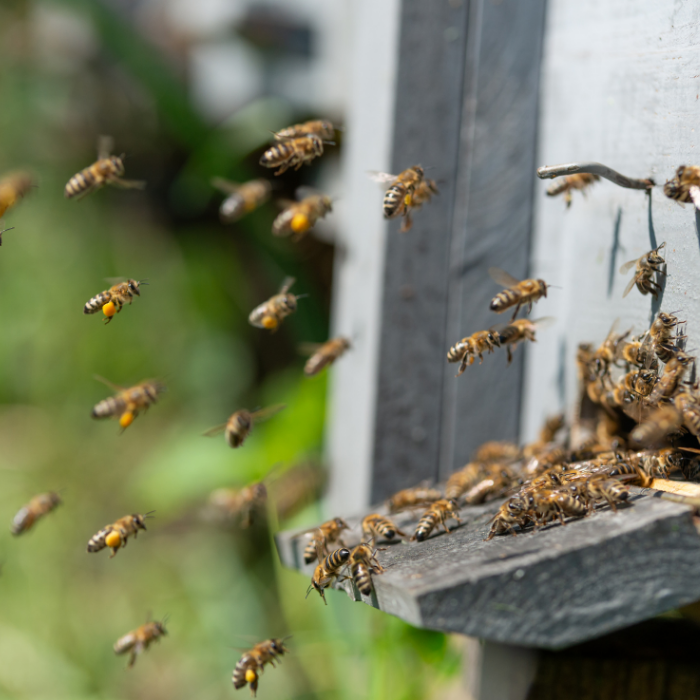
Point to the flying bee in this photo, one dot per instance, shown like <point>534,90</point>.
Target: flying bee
<point>325,354</point>
<point>399,197</point>
<point>685,186</point>
<point>251,664</point>
<point>376,526</point>
<point>321,127</point>
<point>410,498</point>
<point>363,563</point>
<point>298,218</point>
<point>438,514</point>
<point>38,507</point>
<point>238,426</point>
<point>272,312</point>
<point>128,403</point>
<point>112,300</point>
<point>662,421</point>
<point>327,571</point>
<point>467,349</point>
<point>422,194</point>
<point>293,152</point>
<point>13,188</point>
<point>325,534</point>
<point>517,293</point>
<point>116,535</point>
<point>107,170</point>
<point>578,181</point>
<point>239,503</point>
<point>138,640</point>
<point>647,267</point>
<point>687,403</point>
<point>519,331</point>
<point>242,198</point>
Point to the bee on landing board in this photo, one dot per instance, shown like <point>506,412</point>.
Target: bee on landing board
<point>399,197</point>
<point>436,515</point>
<point>272,312</point>
<point>410,498</point>
<point>325,534</point>
<point>579,181</point>
<point>517,294</point>
<point>137,641</point>
<point>321,127</point>
<point>298,218</point>
<point>37,508</point>
<point>126,404</point>
<point>242,198</point>
<point>363,563</point>
<point>113,299</point>
<point>375,526</point>
<point>519,331</point>
<point>294,152</point>
<point>685,186</point>
<point>116,535</point>
<point>324,354</point>
<point>107,170</point>
<point>327,571</point>
<point>238,426</point>
<point>467,349</point>
<point>647,267</point>
<point>251,664</point>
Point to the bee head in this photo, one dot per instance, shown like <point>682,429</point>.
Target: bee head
<point>278,646</point>
<point>317,144</point>
<point>160,626</point>
<point>543,287</point>
<point>419,171</point>
<point>139,520</point>
<point>495,338</point>
<point>117,164</point>
<point>55,499</point>
<point>244,420</point>
<point>341,524</point>
<point>327,203</point>
<point>290,301</point>
<point>134,287</point>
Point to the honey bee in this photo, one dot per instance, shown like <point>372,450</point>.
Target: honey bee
<point>251,664</point>
<point>325,354</point>
<point>519,331</point>
<point>272,312</point>
<point>116,535</point>
<point>327,533</point>
<point>112,300</point>
<point>297,488</point>
<point>552,503</point>
<point>128,403</point>
<point>328,570</point>
<point>649,265</point>
<point>463,480</point>
<point>242,198</point>
<point>515,512</point>
<point>238,426</point>
<point>661,339</point>
<point>13,188</point>
<point>579,181</point>
<point>638,351</point>
<point>138,640</point>
<point>685,186</point>
<point>422,194</point>
<point>293,152</point>
<point>107,170</point>
<point>363,563</point>
<point>606,354</point>
<point>399,197</point>
<point>687,403</point>
<point>497,451</point>
<point>37,508</point>
<point>517,293</point>
<point>321,127</point>
<point>466,350</point>
<point>493,486</point>
<point>673,374</point>
<point>661,422</point>
<point>240,503</point>
<point>409,498</point>
<point>438,514</point>
<point>375,526</point>
<point>298,218</point>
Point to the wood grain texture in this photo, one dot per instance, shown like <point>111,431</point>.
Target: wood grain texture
<point>550,589</point>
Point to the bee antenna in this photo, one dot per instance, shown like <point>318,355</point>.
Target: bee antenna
<point>308,590</point>
<point>330,143</point>
<point>7,229</point>
<point>554,286</point>
<point>301,296</point>
<point>148,515</point>
<point>144,281</point>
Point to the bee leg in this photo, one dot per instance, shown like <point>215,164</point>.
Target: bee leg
<point>462,366</point>
<point>509,354</point>
<point>114,552</point>
<point>283,168</point>
<point>568,198</point>
<point>132,659</point>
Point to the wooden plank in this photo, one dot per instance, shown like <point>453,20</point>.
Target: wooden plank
<point>549,589</point>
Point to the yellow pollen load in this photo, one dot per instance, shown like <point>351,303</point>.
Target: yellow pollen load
<point>250,675</point>
<point>407,200</point>
<point>269,322</point>
<point>300,223</point>
<point>113,540</point>
<point>250,205</point>
<point>126,419</point>
<point>109,309</point>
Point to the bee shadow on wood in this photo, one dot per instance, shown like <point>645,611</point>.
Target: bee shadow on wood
<point>614,251</point>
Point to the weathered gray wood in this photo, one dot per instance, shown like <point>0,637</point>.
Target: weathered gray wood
<point>549,589</point>
<point>499,671</point>
<point>479,63</point>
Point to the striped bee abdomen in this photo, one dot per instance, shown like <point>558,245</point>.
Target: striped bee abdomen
<point>310,551</point>
<point>504,300</point>
<point>245,665</point>
<point>113,406</point>
<point>277,154</point>
<point>362,577</point>
<point>22,521</point>
<point>232,208</point>
<point>425,526</point>
<point>98,542</point>
<point>336,559</point>
<point>79,183</point>
<point>97,302</point>
<point>457,351</point>
<point>395,200</point>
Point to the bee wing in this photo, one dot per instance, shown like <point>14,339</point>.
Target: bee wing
<point>114,280</point>
<point>111,385</point>
<point>286,284</point>
<point>226,186</point>
<point>381,178</point>
<point>309,348</point>
<point>105,146</point>
<point>628,265</point>
<point>265,413</point>
<point>694,193</point>
<point>127,184</point>
<point>631,284</point>
<point>216,430</point>
<point>544,322</point>
<point>285,203</point>
<point>502,277</point>
<point>305,191</point>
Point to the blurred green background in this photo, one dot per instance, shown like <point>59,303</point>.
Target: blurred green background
<point>69,71</point>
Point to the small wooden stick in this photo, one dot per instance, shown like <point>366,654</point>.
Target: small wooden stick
<point>552,171</point>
